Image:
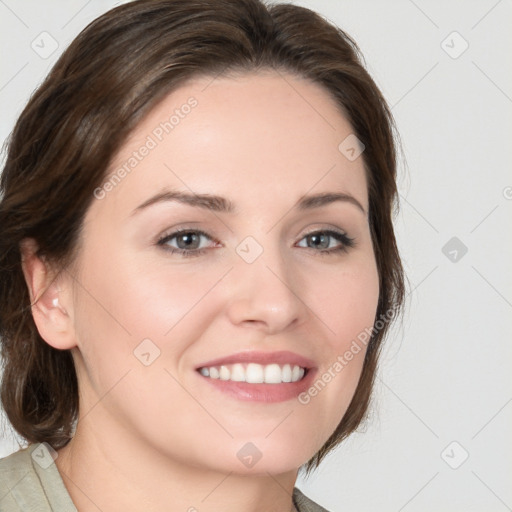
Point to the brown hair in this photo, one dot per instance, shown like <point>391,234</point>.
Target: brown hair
<point>115,71</point>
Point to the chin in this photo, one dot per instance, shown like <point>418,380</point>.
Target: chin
<point>262,456</point>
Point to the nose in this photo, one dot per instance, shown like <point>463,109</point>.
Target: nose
<point>266,294</point>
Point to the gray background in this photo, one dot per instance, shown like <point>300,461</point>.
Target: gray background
<point>444,389</point>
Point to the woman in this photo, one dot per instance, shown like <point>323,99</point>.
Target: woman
<point>198,263</point>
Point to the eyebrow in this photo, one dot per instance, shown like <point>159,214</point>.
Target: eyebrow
<point>222,205</point>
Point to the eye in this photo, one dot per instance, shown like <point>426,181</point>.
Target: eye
<point>186,242</point>
<point>328,241</point>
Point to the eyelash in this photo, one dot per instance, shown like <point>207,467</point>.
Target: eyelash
<point>346,242</point>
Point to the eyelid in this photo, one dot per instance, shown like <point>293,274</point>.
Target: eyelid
<point>173,233</point>
<point>346,241</point>
<point>324,229</point>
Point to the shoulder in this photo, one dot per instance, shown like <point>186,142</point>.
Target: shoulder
<point>16,473</point>
<point>304,504</point>
<point>14,462</point>
<point>14,468</point>
<point>30,480</point>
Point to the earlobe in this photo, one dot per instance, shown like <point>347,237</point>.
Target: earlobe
<point>47,298</point>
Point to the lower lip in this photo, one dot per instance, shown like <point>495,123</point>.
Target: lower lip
<point>268,393</point>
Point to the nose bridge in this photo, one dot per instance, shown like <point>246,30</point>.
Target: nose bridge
<point>265,289</point>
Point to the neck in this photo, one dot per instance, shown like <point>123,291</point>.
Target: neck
<point>117,471</point>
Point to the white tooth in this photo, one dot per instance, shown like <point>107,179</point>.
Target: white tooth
<point>214,373</point>
<point>296,373</point>
<point>205,372</point>
<point>238,373</point>
<point>301,373</point>
<point>254,373</point>
<point>224,373</point>
<point>272,374</point>
<point>287,373</point>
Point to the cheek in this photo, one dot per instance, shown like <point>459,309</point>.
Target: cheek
<point>124,301</point>
<point>121,307</point>
<point>347,307</point>
<point>346,301</point>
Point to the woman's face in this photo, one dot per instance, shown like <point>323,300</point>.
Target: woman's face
<point>266,276</point>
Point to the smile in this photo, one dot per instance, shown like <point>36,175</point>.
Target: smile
<point>254,373</point>
<point>258,376</point>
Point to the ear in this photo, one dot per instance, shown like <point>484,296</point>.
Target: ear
<point>50,298</point>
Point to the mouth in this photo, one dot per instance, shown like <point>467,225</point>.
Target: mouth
<point>259,376</point>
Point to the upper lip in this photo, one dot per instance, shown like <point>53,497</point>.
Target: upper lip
<point>280,357</point>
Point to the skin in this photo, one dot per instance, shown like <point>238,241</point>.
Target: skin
<point>163,435</point>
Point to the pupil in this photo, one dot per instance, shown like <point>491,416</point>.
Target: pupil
<point>321,239</point>
<point>189,239</point>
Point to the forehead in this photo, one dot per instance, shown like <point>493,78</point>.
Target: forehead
<point>271,134</point>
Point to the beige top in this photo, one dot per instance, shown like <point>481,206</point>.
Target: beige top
<point>31,482</point>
